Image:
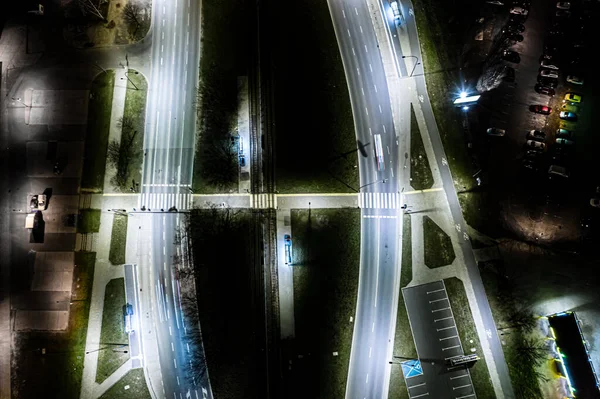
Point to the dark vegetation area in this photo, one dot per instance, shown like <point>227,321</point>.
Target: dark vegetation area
<point>315,138</point>
<point>224,58</point>
<point>223,247</point>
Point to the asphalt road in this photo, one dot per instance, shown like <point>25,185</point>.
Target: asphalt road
<point>167,176</point>
<point>369,368</point>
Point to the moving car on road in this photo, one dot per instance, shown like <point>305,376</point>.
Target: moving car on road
<point>540,109</point>
<point>568,116</point>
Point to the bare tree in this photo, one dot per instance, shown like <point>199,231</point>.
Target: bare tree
<point>92,7</point>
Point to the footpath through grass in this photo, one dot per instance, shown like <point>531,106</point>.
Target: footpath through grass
<point>468,336</point>
<point>228,309</point>
<point>326,269</point>
<point>118,240</point>
<point>313,114</point>
<point>89,221</point>
<point>59,370</point>
<point>136,387</point>
<point>113,339</point>
<point>225,45</point>
<point>96,138</point>
<point>404,343</point>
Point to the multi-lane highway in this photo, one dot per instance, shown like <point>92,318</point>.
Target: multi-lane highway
<point>167,178</point>
<point>368,374</point>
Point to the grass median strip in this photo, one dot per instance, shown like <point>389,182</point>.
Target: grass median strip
<point>420,172</point>
<point>96,138</point>
<point>89,221</point>
<point>132,385</point>
<point>468,336</point>
<point>59,369</point>
<point>437,244</point>
<point>326,245</point>
<point>113,339</point>
<point>404,344</point>
<point>118,240</point>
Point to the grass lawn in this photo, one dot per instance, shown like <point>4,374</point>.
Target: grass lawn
<point>118,240</point>
<point>404,344</point>
<point>468,336</point>
<point>59,371</point>
<point>226,40</point>
<point>420,172</point>
<point>442,34</point>
<point>326,259</point>
<point>438,245</point>
<point>96,139</point>
<point>89,221</point>
<point>136,383</point>
<point>313,114</point>
<point>135,109</point>
<point>113,332</point>
<point>228,308</point>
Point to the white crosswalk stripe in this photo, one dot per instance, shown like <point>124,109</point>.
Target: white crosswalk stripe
<point>164,201</point>
<point>263,201</point>
<point>379,200</point>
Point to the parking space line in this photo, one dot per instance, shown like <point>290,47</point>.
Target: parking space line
<point>431,292</point>
<point>437,300</point>
<point>418,396</point>
<point>466,396</point>
<point>454,336</point>
<point>445,318</point>
<point>459,376</point>
<point>462,386</point>
<point>451,347</point>
<point>445,328</point>
<point>439,310</point>
<point>418,385</point>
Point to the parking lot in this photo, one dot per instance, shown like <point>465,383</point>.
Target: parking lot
<point>436,340</point>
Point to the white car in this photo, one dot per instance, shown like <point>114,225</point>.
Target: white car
<point>536,145</point>
<point>549,64</point>
<point>563,5</point>
<point>519,11</point>
<point>576,80</point>
<point>549,73</point>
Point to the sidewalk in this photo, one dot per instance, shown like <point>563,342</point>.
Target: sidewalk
<point>118,108</point>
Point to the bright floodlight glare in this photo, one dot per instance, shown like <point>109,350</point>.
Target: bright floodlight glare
<point>465,108</point>
<point>463,94</point>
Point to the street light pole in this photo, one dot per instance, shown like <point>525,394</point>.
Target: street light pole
<point>18,99</point>
<point>130,81</point>
<point>98,65</point>
<point>376,181</point>
<point>416,63</point>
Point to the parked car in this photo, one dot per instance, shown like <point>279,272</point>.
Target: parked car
<point>568,116</point>
<point>511,56</point>
<point>576,80</point>
<point>572,98</point>
<point>561,141</point>
<point>570,107</point>
<point>519,11</point>
<point>536,145</point>
<point>540,109</point>
<point>536,135</point>
<point>549,64</point>
<point>595,202</point>
<point>549,82</point>
<point>544,90</point>
<point>517,37</point>
<point>549,73</point>
<point>563,5</point>
<point>564,133</point>
<point>494,131</point>
<point>563,13</point>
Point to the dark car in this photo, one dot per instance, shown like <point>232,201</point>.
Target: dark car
<point>548,82</point>
<point>511,56</point>
<point>544,90</point>
<point>540,109</point>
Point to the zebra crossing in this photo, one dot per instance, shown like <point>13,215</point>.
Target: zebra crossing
<point>263,201</point>
<point>379,201</point>
<point>164,201</point>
